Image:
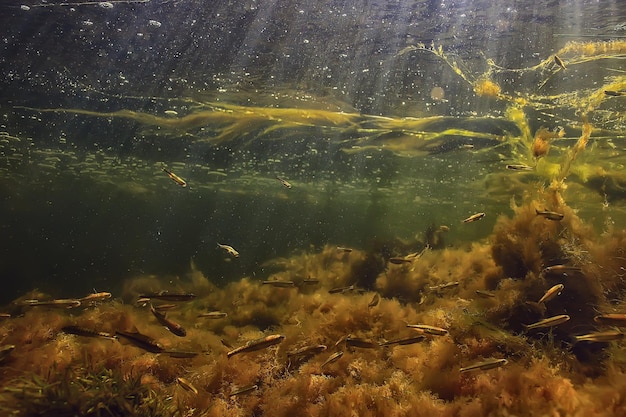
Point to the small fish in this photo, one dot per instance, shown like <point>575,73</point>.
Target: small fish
<point>436,331</point>
<point>98,296</point>
<point>213,315</point>
<point>61,303</point>
<point>284,182</point>
<point>561,269</point>
<point>400,260</point>
<point>519,167</point>
<point>169,296</point>
<point>5,351</point>
<point>444,228</point>
<point>142,302</point>
<point>374,302</point>
<point>187,385</point>
<point>474,217</point>
<point>82,331</point>
<point>549,322</point>
<point>342,290</point>
<point>142,341</point>
<point>341,340</point>
<point>169,112</point>
<point>551,293</point>
<point>344,249</point>
<point>485,294</point>
<point>180,354</point>
<point>360,343</point>
<point>404,341</point>
<point>332,358</point>
<point>607,336</point>
<point>307,350</point>
<point>178,180</point>
<point>611,319</point>
<point>444,286</point>
<point>5,316</point>
<point>163,307</point>
<point>488,364</point>
<point>614,93</point>
<point>559,62</point>
<point>550,215</point>
<point>279,283</point>
<point>243,390</point>
<point>257,344</point>
<point>311,281</point>
<point>173,327</point>
<point>229,249</point>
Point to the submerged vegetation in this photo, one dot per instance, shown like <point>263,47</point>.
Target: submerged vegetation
<point>473,356</point>
<point>515,323</point>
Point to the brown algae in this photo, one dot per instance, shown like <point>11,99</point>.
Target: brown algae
<point>415,378</point>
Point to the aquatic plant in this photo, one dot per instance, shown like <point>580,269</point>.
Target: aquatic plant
<point>78,391</point>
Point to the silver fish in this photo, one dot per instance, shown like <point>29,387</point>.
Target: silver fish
<point>488,364</point>
<point>549,322</point>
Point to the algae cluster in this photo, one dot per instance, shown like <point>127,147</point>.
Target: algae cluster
<point>51,372</point>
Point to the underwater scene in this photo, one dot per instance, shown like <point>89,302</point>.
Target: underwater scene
<point>312,208</point>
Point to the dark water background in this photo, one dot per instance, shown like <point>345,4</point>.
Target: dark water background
<point>85,204</point>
